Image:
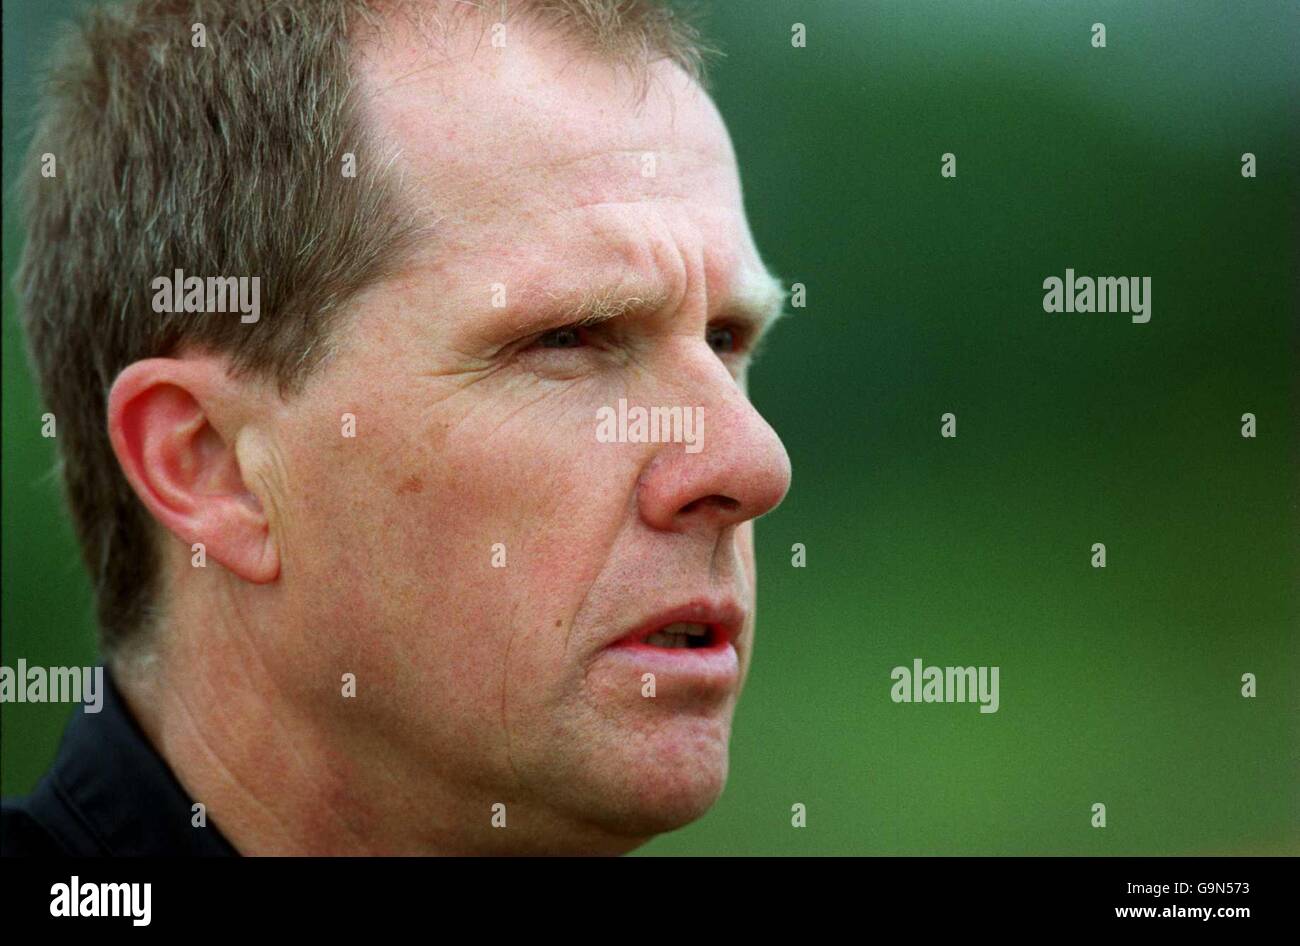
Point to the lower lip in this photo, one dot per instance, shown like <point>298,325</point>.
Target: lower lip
<point>716,665</point>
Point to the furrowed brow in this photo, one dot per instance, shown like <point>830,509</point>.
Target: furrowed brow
<point>757,304</point>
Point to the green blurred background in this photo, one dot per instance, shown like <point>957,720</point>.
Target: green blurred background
<point>1118,685</point>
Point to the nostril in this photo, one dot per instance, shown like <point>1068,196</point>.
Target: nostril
<point>725,503</point>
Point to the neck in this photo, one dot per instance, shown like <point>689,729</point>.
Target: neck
<point>292,767</point>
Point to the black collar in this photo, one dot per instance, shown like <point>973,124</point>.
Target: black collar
<point>110,793</point>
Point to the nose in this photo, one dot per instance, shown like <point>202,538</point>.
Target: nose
<point>739,472</point>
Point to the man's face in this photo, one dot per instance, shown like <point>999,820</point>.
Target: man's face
<point>476,444</point>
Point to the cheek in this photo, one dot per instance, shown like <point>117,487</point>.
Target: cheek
<point>489,532</point>
<point>529,498</point>
<point>445,557</point>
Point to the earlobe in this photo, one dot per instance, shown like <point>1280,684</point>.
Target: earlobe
<point>166,428</point>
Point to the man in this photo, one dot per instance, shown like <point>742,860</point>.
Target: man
<point>370,578</point>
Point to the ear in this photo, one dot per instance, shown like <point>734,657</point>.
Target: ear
<point>174,436</point>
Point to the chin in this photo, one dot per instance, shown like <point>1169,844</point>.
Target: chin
<point>665,780</point>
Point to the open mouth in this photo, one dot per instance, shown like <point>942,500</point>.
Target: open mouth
<point>681,635</point>
<point>694,645</point>
<point>704,626</point>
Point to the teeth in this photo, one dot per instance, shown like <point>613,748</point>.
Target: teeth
<point>676,636</point>
<point>681,627</point>
<point>671,641</point>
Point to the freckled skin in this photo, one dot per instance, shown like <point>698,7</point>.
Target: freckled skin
<point>477,684</point>
<point>412,484</point>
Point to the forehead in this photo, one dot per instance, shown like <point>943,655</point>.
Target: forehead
<point>541,154</point>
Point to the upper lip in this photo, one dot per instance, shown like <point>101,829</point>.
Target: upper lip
<point>724,616</point>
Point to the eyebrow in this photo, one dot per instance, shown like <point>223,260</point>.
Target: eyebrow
<point>756,303</point>
<point>759,302</point>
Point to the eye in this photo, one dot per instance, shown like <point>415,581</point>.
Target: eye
<point>569,336</point>
<point>722,338</point>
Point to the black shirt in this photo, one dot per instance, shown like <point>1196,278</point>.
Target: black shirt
<point>108,793</point>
